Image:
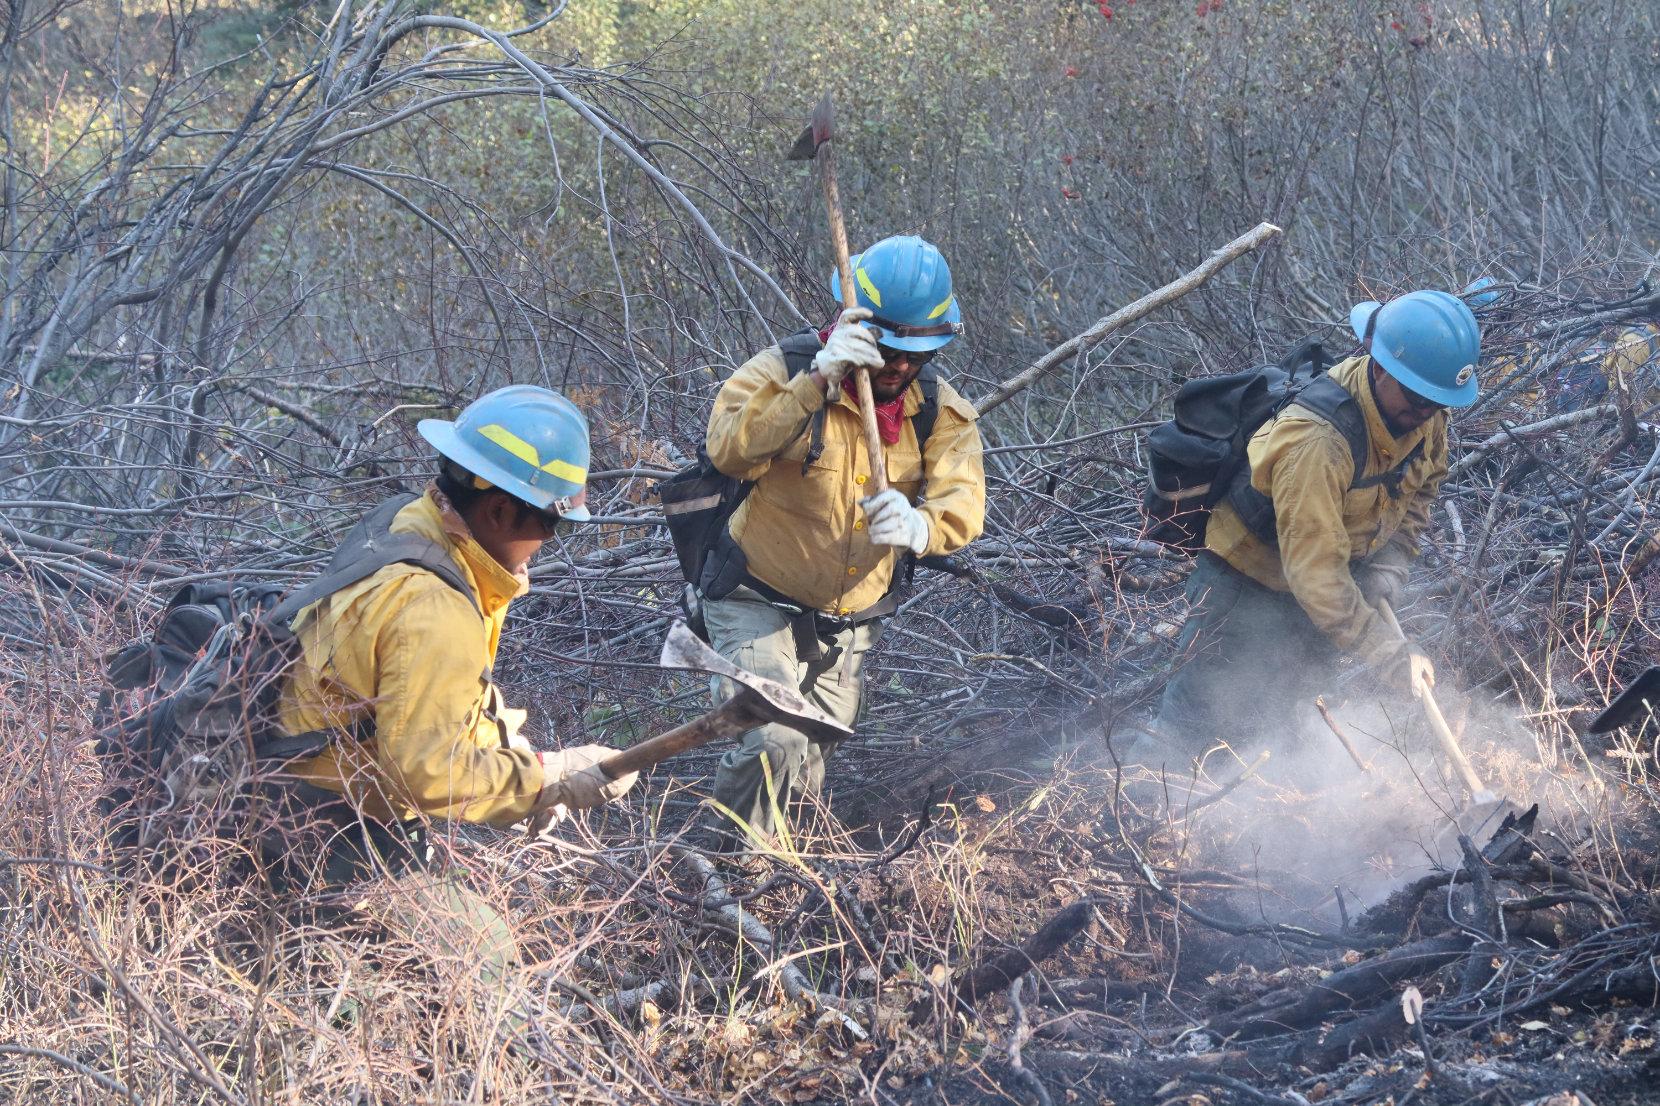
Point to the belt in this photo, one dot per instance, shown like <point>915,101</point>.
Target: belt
<point>813,628</point>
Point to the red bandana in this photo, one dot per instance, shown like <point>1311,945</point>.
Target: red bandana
<point>890,416</point>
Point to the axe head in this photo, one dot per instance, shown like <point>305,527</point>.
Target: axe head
<point>816,134</point>
<point>1640,697</point>
<point>768,699</point>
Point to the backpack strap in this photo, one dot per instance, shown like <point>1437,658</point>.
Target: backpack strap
<point>798,350</point>
<point>928,414</point>
<point>1329,401</point>
<point>1343,412</point>
<point>369,547</point>
<point>1332,403</point>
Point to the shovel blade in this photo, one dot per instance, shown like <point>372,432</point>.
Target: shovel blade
<point>1640,698</point>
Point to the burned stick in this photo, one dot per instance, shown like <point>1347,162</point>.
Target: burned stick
<point>1017,1040</point>
<point>1487,919</point>
<point>1279,930</point>
<point>1232,785</point>
<point>720,911</point>
<point>1001,970</point>
<point>1349,987</point>
<point>1337,731</point>
<point>1374,1034</point>
<point>1239,1087</point>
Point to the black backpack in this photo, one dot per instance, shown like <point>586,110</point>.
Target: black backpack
<point>188,721</point>
<point>1198,458</point>
<point>699,499</point>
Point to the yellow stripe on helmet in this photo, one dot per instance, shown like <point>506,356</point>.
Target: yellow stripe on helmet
<point>526,452</point>
<point>869,287</point>
<point>565,471</point>
<point>511,442</point>
<point>941,309</point>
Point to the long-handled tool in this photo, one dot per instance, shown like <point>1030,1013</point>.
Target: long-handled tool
<point>758,700</point>
<point>1483,803</point>
<point>814,145</point>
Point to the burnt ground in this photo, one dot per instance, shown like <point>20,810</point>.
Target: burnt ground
<point>1205,974</point>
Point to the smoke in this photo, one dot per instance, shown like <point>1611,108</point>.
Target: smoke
<point>1321,837</point>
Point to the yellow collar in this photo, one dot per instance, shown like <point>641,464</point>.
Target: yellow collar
<point>1358,380</point>
<point>494,584</point>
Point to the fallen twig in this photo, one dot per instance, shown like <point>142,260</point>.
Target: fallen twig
<point>1017,1038</point>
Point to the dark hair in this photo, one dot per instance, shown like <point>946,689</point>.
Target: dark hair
<point>457,485</point>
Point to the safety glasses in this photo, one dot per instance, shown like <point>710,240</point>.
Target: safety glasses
<point>1417,402</point>
<point>917,358</point>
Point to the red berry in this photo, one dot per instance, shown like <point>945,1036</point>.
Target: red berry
<point>1066,159</point>
<point>1396,25</point>
<point>1072,71</point>
<point>1204,8</point>
<point>1107,12</point>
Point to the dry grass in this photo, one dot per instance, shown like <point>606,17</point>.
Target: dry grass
<point>199,987</point>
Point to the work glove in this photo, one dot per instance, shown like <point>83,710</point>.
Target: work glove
<point>571,780</point>
<point>1410,669</point>
<point>850,345</point>
<point>893,521</point>
<point>1384,575</point>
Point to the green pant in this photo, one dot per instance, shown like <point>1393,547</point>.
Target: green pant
<point>1251,663</point>
<point>757,637</point>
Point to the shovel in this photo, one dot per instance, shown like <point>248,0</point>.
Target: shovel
<point>813,144</point>
<point>758,701</point>
<point>1483,803</point>
<point>1636,703</point>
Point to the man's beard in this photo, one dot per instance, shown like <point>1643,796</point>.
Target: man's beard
<point>896,386</point>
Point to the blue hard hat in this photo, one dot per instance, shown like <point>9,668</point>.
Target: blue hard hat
<point>1481,292</point>
<point>529,442</point>
<point>1428,341</point>
<point>906,284</point>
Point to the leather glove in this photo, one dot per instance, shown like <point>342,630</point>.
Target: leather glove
<point>850,345</point>
<point>1410,669</point>
<point>893,521</point>
<point>572,781</point>
<point>1384,576</point>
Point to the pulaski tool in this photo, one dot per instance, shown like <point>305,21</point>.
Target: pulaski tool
<point>758,700</point>
<point>1637,703</point>
<point>813,144</point>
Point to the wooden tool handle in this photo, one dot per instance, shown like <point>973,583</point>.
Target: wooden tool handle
<point>850,298</point>
<point>721,722</point>
<point>1438,723</point>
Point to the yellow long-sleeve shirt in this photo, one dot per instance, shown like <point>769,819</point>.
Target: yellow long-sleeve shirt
<point>1635,357</point>
<point>405,659</point>
<point>803,531</point>
<point>1304,465</point>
